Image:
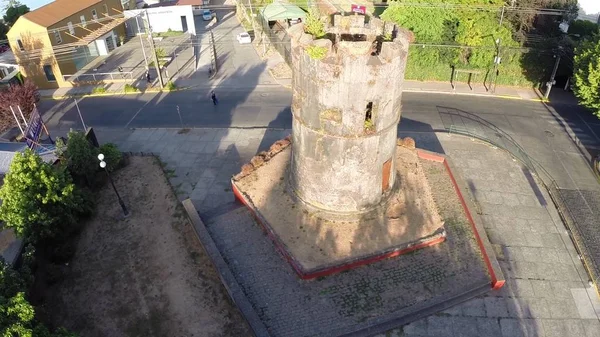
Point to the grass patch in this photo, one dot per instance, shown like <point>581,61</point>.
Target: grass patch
<point>170,86</point>
<point>99,90</point>
<point>130,88</point>
<point>169,33</point>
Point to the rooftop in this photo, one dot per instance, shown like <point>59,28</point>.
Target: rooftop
<point>58,10</point>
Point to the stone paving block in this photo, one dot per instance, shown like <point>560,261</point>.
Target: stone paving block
<point>513,253</point>
<point>542,288</point>
<point>474,307</point>
<point>232,135</point>
<point>532,254</point>
<point>591,328</point>
<point>417,328</point>
<point>495,307</point>
<point>511,327</point>
<point>488,327</point>
<point>562,308</point>
<point>464,327</point>
<point>494,198</point>
<point>555,328</point>
<point>534,240</point>
<point>528,200</point>
<point>538,308</point>
<point>210,147</point>
<point>208,135</point>
<point>541,226</point>
<point>552,240</point>
<point>517,307</point>
<point>583,303</point>
<point>439,326</point>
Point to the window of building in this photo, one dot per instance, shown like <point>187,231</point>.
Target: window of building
<point>105,7</point>
<point>71,28</point>
<point>57,37</point>
<point>20,43</point>
<point>49,73</point>
<point>94,14</point>
<point>82,18</point>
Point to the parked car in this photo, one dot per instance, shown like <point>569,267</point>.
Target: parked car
<point>4,48</point>
<point>244,38</point>
<point>207,15</point>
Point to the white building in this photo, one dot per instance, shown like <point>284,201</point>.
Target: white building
<point>175,18</point>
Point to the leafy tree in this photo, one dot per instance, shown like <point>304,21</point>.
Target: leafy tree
<point>39,201</point>
<point>112,156</point>
<point>24,95</point>
<point>587,74</point>
<point>313,24</point>
<point>80,156</point>
<point>583,28</point>
<point>14,12</point>
<point>3,30</point>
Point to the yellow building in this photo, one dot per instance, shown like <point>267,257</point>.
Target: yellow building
<point>57,40</point>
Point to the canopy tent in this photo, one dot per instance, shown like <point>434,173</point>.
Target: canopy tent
<point>282,11</point>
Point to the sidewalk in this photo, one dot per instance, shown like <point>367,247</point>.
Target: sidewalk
<point>478,89</point>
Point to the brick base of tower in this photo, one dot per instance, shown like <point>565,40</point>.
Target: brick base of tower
<point>319,242</point>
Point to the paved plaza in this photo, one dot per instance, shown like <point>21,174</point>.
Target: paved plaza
<point>547,291</point>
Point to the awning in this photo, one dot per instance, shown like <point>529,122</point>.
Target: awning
<point>282,11</point>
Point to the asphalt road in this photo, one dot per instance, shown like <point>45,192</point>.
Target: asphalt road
<point>548,135</point>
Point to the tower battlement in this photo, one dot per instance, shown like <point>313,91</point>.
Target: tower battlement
<point>355,35</point>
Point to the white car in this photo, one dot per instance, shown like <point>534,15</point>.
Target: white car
<point>208,15</point>
<point>244,38</point>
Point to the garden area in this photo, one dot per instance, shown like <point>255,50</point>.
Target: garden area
<point>87,270</point>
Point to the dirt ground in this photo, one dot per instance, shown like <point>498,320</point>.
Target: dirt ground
<point>146,275</point>
<point>315,240</point>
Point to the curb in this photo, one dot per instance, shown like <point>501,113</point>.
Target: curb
<point>228,280</point>
<point>120,93</point>
<point>493,266</point>
<point>440,92</point>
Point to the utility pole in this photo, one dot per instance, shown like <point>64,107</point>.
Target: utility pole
<point>551,82</point>
<point>153,49</point>
<point>142,43</point>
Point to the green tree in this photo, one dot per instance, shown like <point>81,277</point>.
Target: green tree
<point>39,201</point>
<point>587,74</point>
<point>14,12</point>
<point>583,28</point>
<point>80,156</point>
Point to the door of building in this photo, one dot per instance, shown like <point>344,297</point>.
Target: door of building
<point>184,23</point>
<point>110,44</point>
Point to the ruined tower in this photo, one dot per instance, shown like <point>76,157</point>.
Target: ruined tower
<point>346,109</point>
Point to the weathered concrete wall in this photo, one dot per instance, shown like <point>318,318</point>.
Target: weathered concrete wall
<point>338,158</point>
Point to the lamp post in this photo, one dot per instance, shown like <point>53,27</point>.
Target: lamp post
<point>103,165</point>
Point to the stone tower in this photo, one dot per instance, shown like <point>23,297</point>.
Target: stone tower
<point>346,109</point>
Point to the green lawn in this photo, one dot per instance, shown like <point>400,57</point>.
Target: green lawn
<point>169,33</point>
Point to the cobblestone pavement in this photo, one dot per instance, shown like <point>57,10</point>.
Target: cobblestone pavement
<point>547,292</point>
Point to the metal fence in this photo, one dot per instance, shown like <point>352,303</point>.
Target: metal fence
<point>100,77</point>
<point>500,139</point>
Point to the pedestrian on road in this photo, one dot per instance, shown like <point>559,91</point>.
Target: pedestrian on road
<point>213,97</point>
<point>148,77</point>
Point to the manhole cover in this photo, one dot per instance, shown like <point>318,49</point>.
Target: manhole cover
<point>549,133</point>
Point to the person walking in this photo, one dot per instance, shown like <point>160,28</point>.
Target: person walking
<point>213,97</point>
<point>148,77</point>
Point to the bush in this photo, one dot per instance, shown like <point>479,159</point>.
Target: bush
<point>40,201</point>
<point>160,53</point>
<point>112,156</point>
<point>314,25</point>
<point>170,86</point>
<point>130,88</point>
<point>99,90</point>
<point>316,52</point>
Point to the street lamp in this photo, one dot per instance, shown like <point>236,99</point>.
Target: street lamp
<point>103,165</point>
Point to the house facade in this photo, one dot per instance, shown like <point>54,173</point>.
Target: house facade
<point>57,40</point>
